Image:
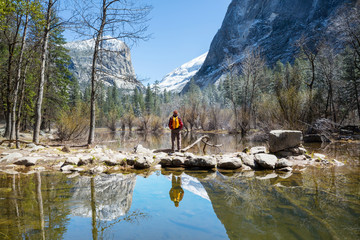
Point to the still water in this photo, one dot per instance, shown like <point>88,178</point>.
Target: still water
<point>311,204</point>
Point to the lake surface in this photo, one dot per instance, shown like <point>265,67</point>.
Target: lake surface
<point>316,203</point>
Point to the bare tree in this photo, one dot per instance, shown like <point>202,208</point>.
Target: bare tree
<point>346,26</point>
<point>252,68</point>
<point>120,19</point>
<point>44,52</point>
<point>310,52</point>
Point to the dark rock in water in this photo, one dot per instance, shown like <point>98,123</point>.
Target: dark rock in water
<point>143,162</point>
<point>285,169</point>
<point>273,26</point>
<point>308,138</point>
<point>200,162</point>
<point>178,162</point>
<point>282,163</point>
<point>284,139</point>
<point>259,149</point>
<point>85,160</point>
<point>27,161</point>
<point>266,161</point>
<point>229,163</point>
<point>166,161</point>
<point>283,154</point>
<point>66,149</point>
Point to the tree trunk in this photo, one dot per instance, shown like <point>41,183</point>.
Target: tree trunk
<point>42,74</point>
<point>93,209</point>
<point>17,82</point>
<point>40,204</point>
<point>8,102</point>
<point>93,75</point>
<point>22,94</point>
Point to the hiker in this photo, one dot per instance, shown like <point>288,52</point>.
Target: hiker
<point>176,192</point>
<point>175,124</point>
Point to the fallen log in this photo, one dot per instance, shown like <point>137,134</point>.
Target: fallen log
<point>194,143</point>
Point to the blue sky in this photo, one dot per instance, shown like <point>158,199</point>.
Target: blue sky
<point>181,30</point>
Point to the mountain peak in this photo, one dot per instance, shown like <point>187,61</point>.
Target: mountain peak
<point>115,65</point>
<point>177,79</point>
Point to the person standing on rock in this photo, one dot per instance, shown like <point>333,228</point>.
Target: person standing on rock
<point>175,124</point>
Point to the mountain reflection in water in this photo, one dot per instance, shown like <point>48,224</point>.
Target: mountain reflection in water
<point>313,204</point>
<point>112,196</point>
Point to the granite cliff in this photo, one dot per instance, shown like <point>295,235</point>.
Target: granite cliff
<point>273,26</point>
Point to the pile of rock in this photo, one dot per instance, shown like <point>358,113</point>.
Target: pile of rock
<point>285,151</point>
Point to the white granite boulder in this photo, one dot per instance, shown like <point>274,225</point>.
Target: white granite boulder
<point>227,162</point>
<point>266,161</point>
<point>284,139</point>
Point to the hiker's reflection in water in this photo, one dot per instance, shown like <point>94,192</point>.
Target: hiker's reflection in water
<point>176,192</point>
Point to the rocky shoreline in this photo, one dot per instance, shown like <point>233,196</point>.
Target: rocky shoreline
<point>284,154</point>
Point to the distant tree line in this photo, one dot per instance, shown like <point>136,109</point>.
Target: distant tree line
<point>322,82</point>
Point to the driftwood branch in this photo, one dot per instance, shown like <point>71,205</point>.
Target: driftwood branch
<point>203,139</point>
<point>206,143</point>
<point>194,143</point>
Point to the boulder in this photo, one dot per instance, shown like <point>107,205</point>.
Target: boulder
<point>283,139</point>
<point>27,161</point>
<point>67,168</point>
<point>84,160</point>
<point>72,161</point>
<point>204,162</point>
<point>97,169</point>
<point>139,149</point>
<point>178,162</point>
<point>256,150</point>
<point>320,156</point>
<point>248,160</point>
<point>165,161</point>
<point>285,169</point>
<point>283,163</point>
<point>246,168</point>
<point>298,158</point>
<point>11,156</point>
<point>66,149</point>
<point>104,159</point>
<point>34,147</point>
<point>78,169</point>
<point>297,151</point>
<point>266,161</point>
<point>130,160</point>
<point>143,162</point>
<point>116,159</point>
<point>229,163</point>
<point>189,155</point>
<point>283,154</point>
<point>31,145</point>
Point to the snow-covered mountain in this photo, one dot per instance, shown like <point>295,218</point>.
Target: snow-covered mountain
<point>114,65</point>
<point>177,79</point>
